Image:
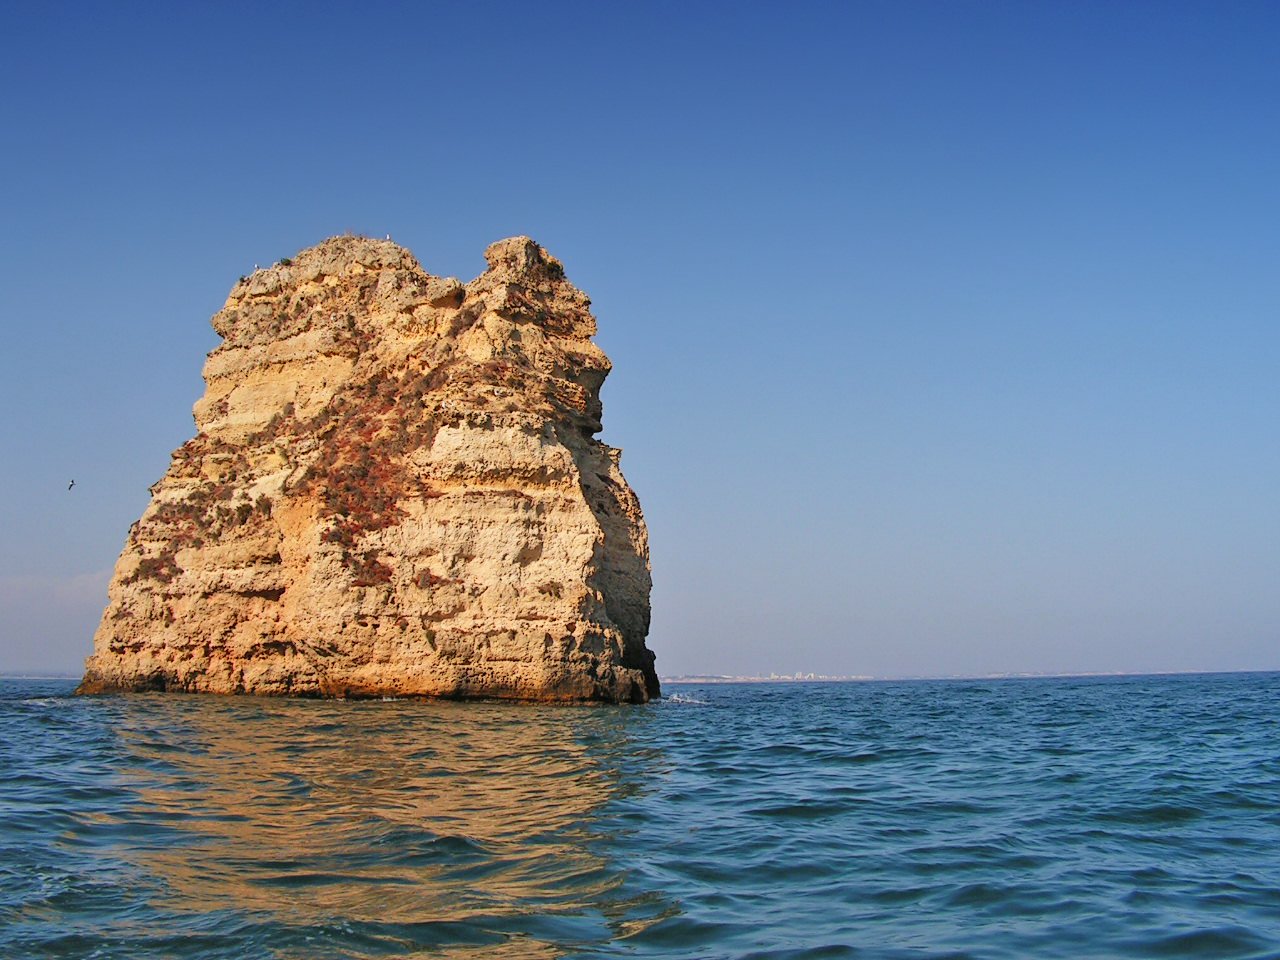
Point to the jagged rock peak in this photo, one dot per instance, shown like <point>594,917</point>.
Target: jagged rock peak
<point>394,490</point>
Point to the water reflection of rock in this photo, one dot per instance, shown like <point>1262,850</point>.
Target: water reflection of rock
<point>383,828</point>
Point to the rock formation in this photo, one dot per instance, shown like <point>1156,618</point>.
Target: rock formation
<point>395,490</point>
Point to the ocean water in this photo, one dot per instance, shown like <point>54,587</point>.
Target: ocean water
<point>1119,817</point>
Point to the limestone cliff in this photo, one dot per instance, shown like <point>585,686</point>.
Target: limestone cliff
<point>395,490</point>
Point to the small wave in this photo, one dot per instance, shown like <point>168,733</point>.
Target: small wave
<point>832,951</point>
<point>681,698</point>
<point>1155,814</point>
<point>1214,942</point>
<point>811,810</point>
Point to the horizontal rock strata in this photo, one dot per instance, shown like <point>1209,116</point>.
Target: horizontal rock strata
<point>395,490</point>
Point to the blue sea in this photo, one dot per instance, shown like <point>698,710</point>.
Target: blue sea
<point>1117,817</point>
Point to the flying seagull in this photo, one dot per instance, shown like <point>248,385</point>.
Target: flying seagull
<point>71,484</point>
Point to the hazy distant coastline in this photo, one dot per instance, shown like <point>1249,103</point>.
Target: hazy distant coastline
<point>38,676</point>
<point>825,678</point>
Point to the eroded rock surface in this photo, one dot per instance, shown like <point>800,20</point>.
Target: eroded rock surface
<point>395,490</point>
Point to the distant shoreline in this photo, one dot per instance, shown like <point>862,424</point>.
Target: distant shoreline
<point>39,676</point>
<point>815,678</point>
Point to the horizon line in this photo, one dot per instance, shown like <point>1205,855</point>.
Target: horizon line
<point>813,677</point>
<point>1009,675</point>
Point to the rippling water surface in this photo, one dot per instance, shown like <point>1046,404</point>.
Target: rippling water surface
<point>1127,817</point>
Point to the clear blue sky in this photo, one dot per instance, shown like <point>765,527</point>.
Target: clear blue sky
<point>944,334</point>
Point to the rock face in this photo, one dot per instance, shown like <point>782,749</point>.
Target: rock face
<point>395,490</point>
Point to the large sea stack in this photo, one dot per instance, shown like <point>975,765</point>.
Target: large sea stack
<point>395,489</point>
